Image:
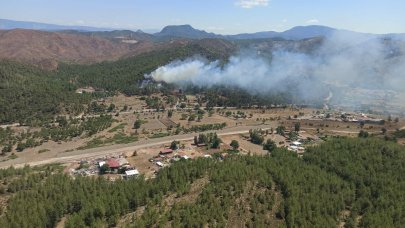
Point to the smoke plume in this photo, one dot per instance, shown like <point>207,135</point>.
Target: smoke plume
<point>359,68</point>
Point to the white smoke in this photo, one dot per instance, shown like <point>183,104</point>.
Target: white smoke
<point>255,74</point>
<point>344,61</point>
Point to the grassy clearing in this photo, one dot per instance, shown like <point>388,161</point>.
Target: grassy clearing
<point>97,142</point>
<point>118,127</point>
<point>159,135</point>
<point>119,138</point>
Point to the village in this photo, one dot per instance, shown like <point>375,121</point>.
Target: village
<point>125,166</point>
<point>293,128</point>
<point>139,121</point>
<point>148,161</point>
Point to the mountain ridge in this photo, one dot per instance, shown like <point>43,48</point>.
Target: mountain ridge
<point>48,49</point>
<point>189,32</point>
<point>185,31</point>
<point>295,33</point>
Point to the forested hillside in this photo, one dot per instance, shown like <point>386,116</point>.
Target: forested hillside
<point>30,95</point>
<point>375,169</point>
<point>347,182</point>
<point>126,75</point>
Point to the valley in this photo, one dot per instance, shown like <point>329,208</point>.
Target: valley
<point>182,127</point>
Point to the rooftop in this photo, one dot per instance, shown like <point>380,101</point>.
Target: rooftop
<point>166,151</point>
<point>113,163</point>
<point>132,172</point>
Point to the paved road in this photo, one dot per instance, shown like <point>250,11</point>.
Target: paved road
<point>118,149</point>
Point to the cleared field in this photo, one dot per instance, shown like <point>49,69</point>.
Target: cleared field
<point>121,100</point>
<point>153,124</point>
<point>245,145</point>
<point>167,122</point>
<point>141,161</point>
<point>215,118</point>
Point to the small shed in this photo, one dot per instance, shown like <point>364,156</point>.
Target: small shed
<point>131,173</point>
<point>296,143</point>
<point>166,151</point>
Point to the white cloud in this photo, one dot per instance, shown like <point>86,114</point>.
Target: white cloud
<point>312,21</point>
<point>247,4</point>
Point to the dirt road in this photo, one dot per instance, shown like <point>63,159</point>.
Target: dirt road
<point>123,148</point>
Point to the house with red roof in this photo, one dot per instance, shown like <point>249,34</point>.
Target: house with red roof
<point>113,164</point>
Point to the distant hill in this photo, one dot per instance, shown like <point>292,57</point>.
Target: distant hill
<point>11,24</point>
<point>268,46</point>
<point>188,32</point>
<point>78,45</point>
<point>257,35</point>
<point>304,32</point>
<point>46,49</point>
<point>185,31</point>
<point>296,33</point>
<point>116,35</point>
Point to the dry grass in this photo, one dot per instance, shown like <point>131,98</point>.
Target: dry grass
<point>244,145</point>
<point>142,163</point>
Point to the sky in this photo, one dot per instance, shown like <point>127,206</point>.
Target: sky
<point>218,16</point>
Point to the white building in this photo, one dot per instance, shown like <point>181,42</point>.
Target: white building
<point>131,173</point>
<point>101,163</point>
<point>296,143</point>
